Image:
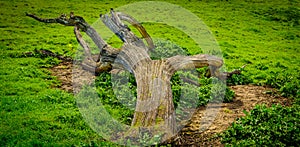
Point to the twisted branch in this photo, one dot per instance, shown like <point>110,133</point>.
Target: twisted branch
<point>85,46</point>
<point>108,54</point>
<point>139,27</point>
<point>115,24</point>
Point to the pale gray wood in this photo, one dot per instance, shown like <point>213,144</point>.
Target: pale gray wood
<point>154,109</point>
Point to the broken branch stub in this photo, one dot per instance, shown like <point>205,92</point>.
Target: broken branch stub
<point>154,109</point>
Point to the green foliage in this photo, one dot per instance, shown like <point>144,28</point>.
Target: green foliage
<point>212,90</point>
<point>204,92</point>
<point>263,126</point>
<point>115,105</point>
<point>146,139</point>
<point>287,83</point>
<point>207,92</point>
<point>176,88</point>
<point>239,79</point>
<point>166,49</point>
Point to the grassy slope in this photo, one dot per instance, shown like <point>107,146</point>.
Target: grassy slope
<point>34,113</point>
<point>248,38</point>
<point>31,111</point>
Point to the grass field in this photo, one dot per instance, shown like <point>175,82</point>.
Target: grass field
<point>265,35</point>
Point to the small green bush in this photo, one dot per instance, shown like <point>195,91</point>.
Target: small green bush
<point>263,126</point>
<point>239,79</point>
<point>111,102</point>
<point>287,83</point>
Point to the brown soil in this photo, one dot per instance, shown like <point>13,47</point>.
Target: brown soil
<point>246,97</point>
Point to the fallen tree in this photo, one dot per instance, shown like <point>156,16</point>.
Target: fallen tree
<point>154,108</point>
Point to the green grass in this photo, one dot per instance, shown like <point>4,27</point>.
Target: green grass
<point>263,34</point>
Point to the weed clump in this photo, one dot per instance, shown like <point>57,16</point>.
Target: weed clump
<point>263,126</point>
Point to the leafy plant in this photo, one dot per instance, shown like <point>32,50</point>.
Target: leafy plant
<point>166,49</point>
<point>263,126</point>
<point>111,102</point>
<point>210,92</point>
<point>239,79</point>
<point>287,83</point>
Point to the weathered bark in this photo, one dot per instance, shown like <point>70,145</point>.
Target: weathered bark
<point>107,53</point>
<point>154,108</point>
<point>115,24</point>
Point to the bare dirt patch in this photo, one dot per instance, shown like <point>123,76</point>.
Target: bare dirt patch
<point>246,97</point>
<point>72,78</point>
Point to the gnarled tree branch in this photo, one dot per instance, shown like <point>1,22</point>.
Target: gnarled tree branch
<point>85,46</point>
<point>139,27</point>
<point>107,53</point>
<point>115,24</point>
<point>154,108</point>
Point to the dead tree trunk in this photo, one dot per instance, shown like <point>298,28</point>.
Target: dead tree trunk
<point>154,108</point>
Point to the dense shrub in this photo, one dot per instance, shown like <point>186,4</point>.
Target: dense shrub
<point>263,126</point>
<point>287,83</point>
<point>239,79</point>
